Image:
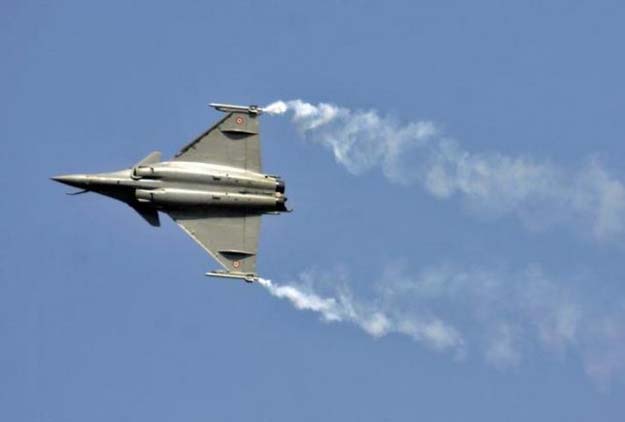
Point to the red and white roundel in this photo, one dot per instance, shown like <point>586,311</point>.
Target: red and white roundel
<point>236,264</point>
<point>239,120</point>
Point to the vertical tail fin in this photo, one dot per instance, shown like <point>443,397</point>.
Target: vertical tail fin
<point>153,157</point>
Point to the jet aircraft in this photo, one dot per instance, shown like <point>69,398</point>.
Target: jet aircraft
<point>214,189</point>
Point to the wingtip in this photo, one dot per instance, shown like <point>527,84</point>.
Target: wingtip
<point>227,108</point>
<point>247,277</point>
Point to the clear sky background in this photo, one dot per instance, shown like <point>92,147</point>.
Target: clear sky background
<point>103,317</point>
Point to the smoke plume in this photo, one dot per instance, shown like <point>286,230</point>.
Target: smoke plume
<point>501,316</point>
<point>374,320</point>
<point>538,192</point>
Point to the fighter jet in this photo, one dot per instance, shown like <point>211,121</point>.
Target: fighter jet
<point>214,189</point>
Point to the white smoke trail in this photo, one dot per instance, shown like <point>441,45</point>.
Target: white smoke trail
<point>373,320</point>
<point>502,316</point>
<point>279,107</point>
<point>539,193</point>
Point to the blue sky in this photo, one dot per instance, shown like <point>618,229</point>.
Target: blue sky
<point>502,229</point>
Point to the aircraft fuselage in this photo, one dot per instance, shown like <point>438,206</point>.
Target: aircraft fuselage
<point>172,184</point>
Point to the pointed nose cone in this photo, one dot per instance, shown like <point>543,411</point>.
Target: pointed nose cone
<point>77,180</point>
